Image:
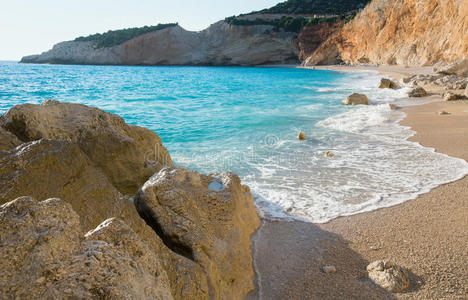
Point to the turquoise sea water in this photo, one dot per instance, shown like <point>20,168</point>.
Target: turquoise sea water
<point>247,120</point>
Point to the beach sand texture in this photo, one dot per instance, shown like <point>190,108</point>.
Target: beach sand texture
<point>428,235</point>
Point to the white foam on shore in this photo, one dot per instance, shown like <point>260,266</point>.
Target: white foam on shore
<point>375,165</point>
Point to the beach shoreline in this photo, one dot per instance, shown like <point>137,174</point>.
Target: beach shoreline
<point>427,235</point>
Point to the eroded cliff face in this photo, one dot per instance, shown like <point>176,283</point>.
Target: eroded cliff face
<point>402,32</point>
<point>220,44</point>
<point>311,37</point>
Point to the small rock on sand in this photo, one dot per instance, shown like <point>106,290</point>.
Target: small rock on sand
<point>389,276</point>
<point>449,96</point>
<point>417,92</point>
<point>444,113</point>
<point>329,269</point>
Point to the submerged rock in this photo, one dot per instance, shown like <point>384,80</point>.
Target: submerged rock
<point>393,107</point>
<point>417,92</point>
<point>387,84</point>
<point>356,99</point>
<point>389,276</point>
<point>302,136</point>
<point>210,226</point>
<point>128,155</point>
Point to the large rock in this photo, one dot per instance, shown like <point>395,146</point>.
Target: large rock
<point>417,92</point>
<point>59,168</point>
<point>45,255</point>
<point>404,32</point>
<point>8,140</point>
<point>388,275</point>
<point>459,68</point>
<point>208,219</point>
<point>220,44</point>
<point>128,155</point>
<point>356,99</point>
<point>387,84</point>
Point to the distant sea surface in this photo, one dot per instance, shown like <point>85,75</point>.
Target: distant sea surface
<point>246,120</point>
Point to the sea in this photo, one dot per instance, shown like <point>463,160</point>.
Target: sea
<point>247,120</point>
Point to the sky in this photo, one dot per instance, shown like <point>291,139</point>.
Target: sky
<point>34,26</point>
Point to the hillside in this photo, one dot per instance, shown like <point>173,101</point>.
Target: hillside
<point>400,32</point>
<point>117,37</point>
<point>319,7</point>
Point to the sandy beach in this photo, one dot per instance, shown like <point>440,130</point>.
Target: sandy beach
<point>427,235</point>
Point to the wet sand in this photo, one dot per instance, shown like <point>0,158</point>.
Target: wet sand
<point>428,235</point>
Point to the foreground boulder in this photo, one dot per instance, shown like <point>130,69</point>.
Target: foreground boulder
<point>128,155</point>
<point>356,99</point>
<point>59,168</point>
<point>417,92</point>
<point>387,84</point>
<point>388,275</point>
<point>208,219</point>
<point>45,255</point>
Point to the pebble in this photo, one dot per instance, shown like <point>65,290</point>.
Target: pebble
<point>329,269</point>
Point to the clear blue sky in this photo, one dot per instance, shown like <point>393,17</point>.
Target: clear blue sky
<point>33,26</point>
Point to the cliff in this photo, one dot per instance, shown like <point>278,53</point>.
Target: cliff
<point>220,44</point>
<point>402,32</point>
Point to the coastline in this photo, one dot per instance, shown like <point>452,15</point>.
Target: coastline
<point>427,235</point>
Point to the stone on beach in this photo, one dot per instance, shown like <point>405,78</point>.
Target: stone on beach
<point>329,154</point>
<point>449,96</point>
<point>387,84</point>
<point>329,269</point>
<point>417,92</point>
<point>389,276</point>
<point>393,107</point>
<point>442,113</point>
<point>302,136</point>
<point>356,99</point>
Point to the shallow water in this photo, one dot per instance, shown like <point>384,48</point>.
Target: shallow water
<point>247,120</point>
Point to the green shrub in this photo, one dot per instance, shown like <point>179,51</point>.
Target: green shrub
<point>117,37</point>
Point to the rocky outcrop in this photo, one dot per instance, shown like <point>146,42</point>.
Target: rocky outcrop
<point>45,255</point>
<point>128,155</point>
<point>403,32</point>
<point>220,44</point>
<point>208,219</point>
<point>459,68</point>
<point>56,152</point>
<point>356,99</point>
<point>388,275</point>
